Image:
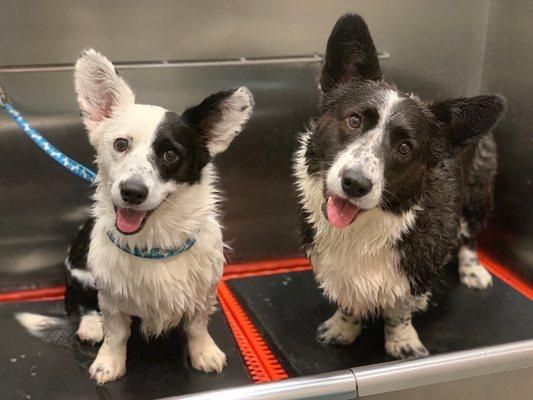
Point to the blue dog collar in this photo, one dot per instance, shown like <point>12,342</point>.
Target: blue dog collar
<point>155,253</point>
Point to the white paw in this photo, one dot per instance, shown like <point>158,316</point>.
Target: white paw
<point>474,275</point>
<point>337,331</point>
<point>91,328</point>
<point>107,368</point>
<point>206,356</point>
<point>406,348</point>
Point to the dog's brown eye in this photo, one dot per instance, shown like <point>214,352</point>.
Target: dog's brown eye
<point>170,156</point>
<point>121,145</point>
<point>405,147</point>
<point>354,121</point>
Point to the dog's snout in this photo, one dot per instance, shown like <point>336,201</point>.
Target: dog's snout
<point>133,191</point>
<point>355,184</point>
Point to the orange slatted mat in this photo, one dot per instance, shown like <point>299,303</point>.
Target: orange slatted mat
<point>262,365</point>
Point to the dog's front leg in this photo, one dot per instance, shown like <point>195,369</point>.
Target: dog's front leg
<point>401,338</point>
<point>110,363</point>
<point>205,354</point>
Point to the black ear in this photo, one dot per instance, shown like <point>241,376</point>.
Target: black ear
<point>465,120</point>
<point>221,117</point>
<point>350,53</point>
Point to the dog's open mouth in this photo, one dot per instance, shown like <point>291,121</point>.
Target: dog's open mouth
<point>129,221</point>
<point>340,212</point>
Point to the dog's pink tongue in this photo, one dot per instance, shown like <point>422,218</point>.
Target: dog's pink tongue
<point>128,220</point>
<point>341,213</point>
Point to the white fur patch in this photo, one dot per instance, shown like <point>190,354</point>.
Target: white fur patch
<point>91,328</point>
<point>357,266</point>
<point>37,324</point>
<point>238,109</point>
<point>84,277</point>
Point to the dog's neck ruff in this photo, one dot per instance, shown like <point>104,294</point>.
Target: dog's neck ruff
<point>155,253</point>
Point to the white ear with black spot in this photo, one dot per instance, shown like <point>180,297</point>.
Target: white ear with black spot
<point>221,117</point>
<point>100,90</point>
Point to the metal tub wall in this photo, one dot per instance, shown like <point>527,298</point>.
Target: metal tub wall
<point>45,204</point>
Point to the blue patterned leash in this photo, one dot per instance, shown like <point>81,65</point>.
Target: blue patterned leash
<point>87,174</point>
<point>68,163</point>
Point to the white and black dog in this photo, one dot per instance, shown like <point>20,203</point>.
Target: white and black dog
<point>390,186</point>
<point>156,195</point>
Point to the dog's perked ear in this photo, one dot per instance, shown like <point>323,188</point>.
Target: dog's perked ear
<point>100,90</point>
<point>221,117</point>
<point>350,53</point>
<point>465,120</point>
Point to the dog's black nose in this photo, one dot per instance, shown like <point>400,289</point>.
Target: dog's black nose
<point>133,191</point>
<point>355,184</point>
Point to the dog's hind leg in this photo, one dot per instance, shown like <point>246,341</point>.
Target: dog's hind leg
<point>205,354</point>
<point>401,338</point>
<point>342,328</point>
<point>91,328</point>
<point>476,211</point>
<point>471,272</point>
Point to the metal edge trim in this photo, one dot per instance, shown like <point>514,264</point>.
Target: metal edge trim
<point>339,385</point>
<point>401,375</point>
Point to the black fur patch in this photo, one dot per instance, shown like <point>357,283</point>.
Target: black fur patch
<point>79,298</point>
<point>175,134</point>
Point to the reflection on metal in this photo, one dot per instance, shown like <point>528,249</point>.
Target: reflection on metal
<point>180,64</point>
<point>336,385</point>
<point>390,377</point>
<point>385,378</point>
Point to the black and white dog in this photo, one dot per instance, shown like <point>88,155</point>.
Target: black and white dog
<point>390,186</point>
<point>156,195</point>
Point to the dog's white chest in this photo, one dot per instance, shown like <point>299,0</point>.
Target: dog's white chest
<point>160,292</point>
<point>357,267</point>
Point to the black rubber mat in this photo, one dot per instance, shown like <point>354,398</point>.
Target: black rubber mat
<point>289,307</point>
<point>33,369</point>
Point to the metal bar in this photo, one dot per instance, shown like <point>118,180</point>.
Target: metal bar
<point>384,378</point>
<point>174,64</point>
<point>389,377</point>
<point>334,386</point>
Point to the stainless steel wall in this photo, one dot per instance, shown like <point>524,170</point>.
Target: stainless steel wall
<point>508,63</point>
<point>437,49</point>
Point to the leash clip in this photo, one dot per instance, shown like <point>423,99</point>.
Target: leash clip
<point>3,96</point>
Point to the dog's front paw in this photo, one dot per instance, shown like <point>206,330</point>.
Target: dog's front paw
<point>336,331</point>
<point>475,276</point>
<point>206,356</point>
<point>106,368</point>
<point>405,348</point>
